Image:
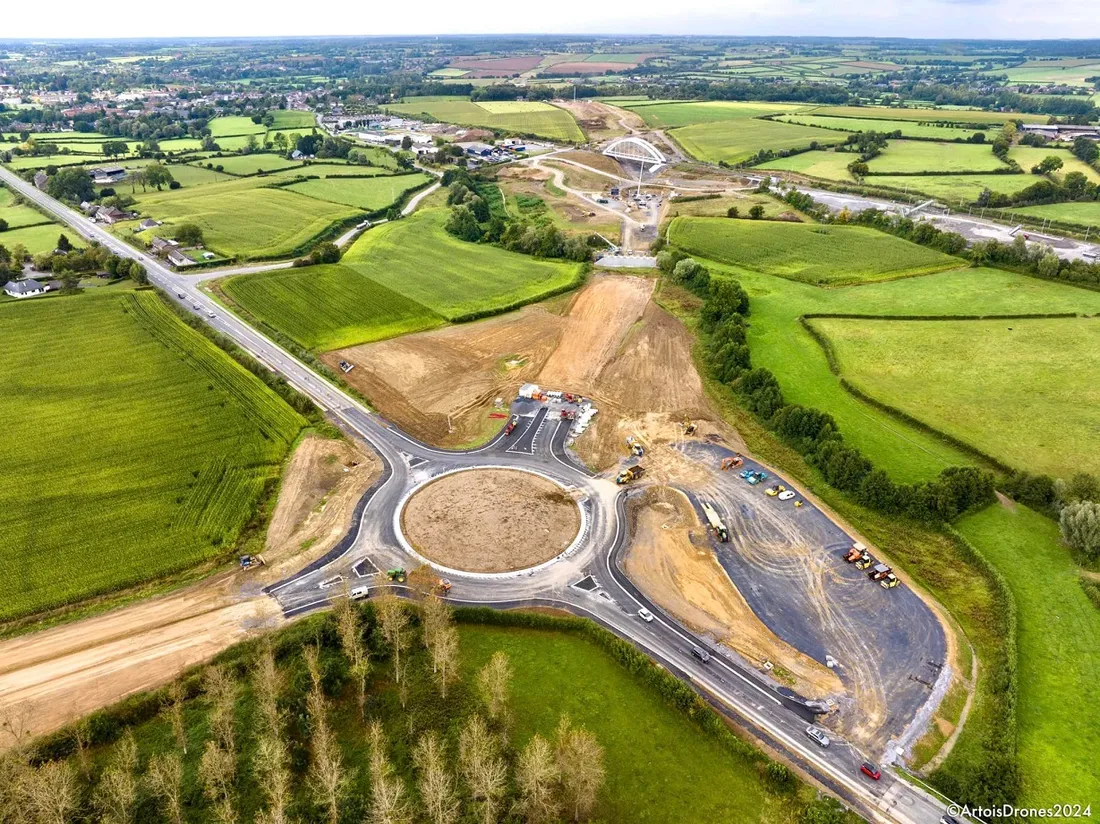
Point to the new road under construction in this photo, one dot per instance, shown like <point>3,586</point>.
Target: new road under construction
<point>885,647</point>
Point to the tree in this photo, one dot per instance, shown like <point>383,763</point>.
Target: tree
<point>493,682</point>
<point>1086,149</point>
<point>218,765</point>
<point>859,168</point>
<point>436,786</point>
<point>350,632</point>
<point>463,224</point>
<point>3,225</point>
<point>217,772</point>
<point>733,211</point>
<point>444,654</point>
<point>325,253</point>
<point>1049,264</point>
<point>51,793</point>
<point>165,780</point>
<point>1075,183</point>
<point>189,234</point>
<point>267,685</point>
<point>271,766</point>
<point>63,243</point>
<point>173,709</point>
<point>137,272</point>
<point>279,143</point>
<point>485,772</point>
<point>1080,524</point>
<point>580,762</point>
<point>157,175</point>
<point>394,623</point>
<point>756,212</point>
<point>114,148</point>
<point>406,143</point>
<point>1049,164</point>
<point>115,797</point>
<point>328,779</point>
<point>387,802</point>
<point>71,184</point>
<point>536,777</point>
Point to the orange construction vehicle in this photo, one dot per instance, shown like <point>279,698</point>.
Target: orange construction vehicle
<point>732,463</point>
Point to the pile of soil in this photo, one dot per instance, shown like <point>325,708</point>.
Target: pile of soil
<point>490,520</point>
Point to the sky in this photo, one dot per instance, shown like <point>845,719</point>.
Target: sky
<point>974,19</point>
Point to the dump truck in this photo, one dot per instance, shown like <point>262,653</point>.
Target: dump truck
<point>249,561</point>
<point>715,523</point>
<point>732,462</point>
<point>396,575</point>
<point>878,572</point>
<point>631,473</point>
<point>511,425</point>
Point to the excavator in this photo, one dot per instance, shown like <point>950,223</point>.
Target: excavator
<point>443,586</point>
<point>732,463</point>
<point>688,427</point>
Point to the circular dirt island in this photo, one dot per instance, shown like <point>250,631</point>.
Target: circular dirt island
<point>490,520</point>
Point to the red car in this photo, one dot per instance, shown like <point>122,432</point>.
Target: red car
<point>870,770</point>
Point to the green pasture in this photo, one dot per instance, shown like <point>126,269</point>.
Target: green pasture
<point>1024,391</point>
<point>1058,643</point>
<point>329,307</point>
<point>1028,156</point>
<point>180,145</point>
<point>670,114</point>
<point>40,238</point>
<point>17,216</point>
<point>925,156</point>
<point>826,165</point>
<point>734,141</point>
<point>927,115</point>
<point>1082,213</point>
<point>825,255</point>
<point>417,258</point>
<point>368,194</point>
<point>953,188</point>
<point>908,128</point>
<point>250,164</point>
<point>133,447</point>
<point>539,119</point>
<point>292,119</point>
<point>235,125</point>
<point>38,162</point>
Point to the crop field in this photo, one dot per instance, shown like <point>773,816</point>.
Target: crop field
<point>1028,156</point>
<point>246,220</point>
<point>15,215</point>
<point>737,140</point>
<point>908,128</point>
<point>235,125</point>
<point>418,259</point>
<point>927,115</point>
<point>1059,653</point>
<point>242,165</point>
<point>1084,213</point>
<point>779,342</point>
<point>32,162</point>
<point>368,194</point>
<point>1061,72</point>
<point>329,307</point>
<point>139,466</point>
<point>965,378</point>
<point>180,144</point>
<point>194,175</point>
<point>38,239</point>
<point>952,188</point>
<point>833,255</point>
<point>827,165</point>
<point>511,116</point>
<point>925,156</point>
<point>671,114</point>
<point>292,119</point>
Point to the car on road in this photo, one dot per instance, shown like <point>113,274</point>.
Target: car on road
<point>180,295</point>
<point>196,307</point>
<point>211,314</point>
<point>775,490</point>
<point>949,819</point>
<point>701,654</point>
<point>870,770</point>
<point>358,592</point>
<point>786,495</point>
<point>818,735</point>
<point>645,615</point>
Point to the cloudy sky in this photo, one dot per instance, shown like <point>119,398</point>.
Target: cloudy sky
<point>1009,19</point>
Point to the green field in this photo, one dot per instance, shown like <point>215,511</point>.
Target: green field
<point>17,215</point>
<point>539,119</point>
<point>669,114</point>
<point>292,119</point>
<point>1023,391</point>
<point>38,239</point>
<point>32,162</point>
<point>417,258</point>
<point>133,447</point>
<point>180,144</point>
<point>833,255</point>
<point>329,307</point>
<point>1058,641</point>
<point>369,193</point>
<point>242,218</point>
<point>928,115</point>
<point>1084,213</point>
<point>1028,156</point>
<point>734,141</point>
<point>908,128</point>
<point>252,163</point>
<point>827,165</point>
<point>902,156</point>
<point>952,188</point>
<point>235,125</point>
<point>1071,72</point>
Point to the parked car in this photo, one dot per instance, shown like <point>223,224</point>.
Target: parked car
<point>870,770</point>
<point>645,615</point>
<point>358,592</point>
<point>701,654</point>
<point>786,495</point>
<point>818,735</point>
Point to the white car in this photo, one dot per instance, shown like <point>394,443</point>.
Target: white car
<point>786,495</point>
<point>818,735</point>
<point>645,615</point>
<point>211,314</point>
<point>358,593</point>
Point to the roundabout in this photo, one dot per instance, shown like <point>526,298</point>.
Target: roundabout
<point>489,521</point>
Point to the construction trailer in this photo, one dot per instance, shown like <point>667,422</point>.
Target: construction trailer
<point>631,473</point>
<point>715,523</point>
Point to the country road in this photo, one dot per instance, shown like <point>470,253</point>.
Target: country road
<point>538,445</point>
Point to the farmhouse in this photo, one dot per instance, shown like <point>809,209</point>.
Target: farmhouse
<point>161,244</point>
<point>178,258</point>
<point>110,175</point>
<point>148,223</point>
<point>40,180</point>
<point>1061,131</point>
<point>24,288</point>
<point>110,215</point>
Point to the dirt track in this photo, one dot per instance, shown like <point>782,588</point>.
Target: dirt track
<point>490,520</point>
<point>671,560</point>
<point>62,673</point>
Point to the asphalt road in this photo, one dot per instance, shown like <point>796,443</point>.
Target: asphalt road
<point>375,544</point>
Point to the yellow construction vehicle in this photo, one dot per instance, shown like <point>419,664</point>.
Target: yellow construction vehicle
<point>443,586</point>
<point>688,427</point>
<point>631,473</point>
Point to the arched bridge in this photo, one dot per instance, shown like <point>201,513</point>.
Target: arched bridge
<point>635,149</point>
